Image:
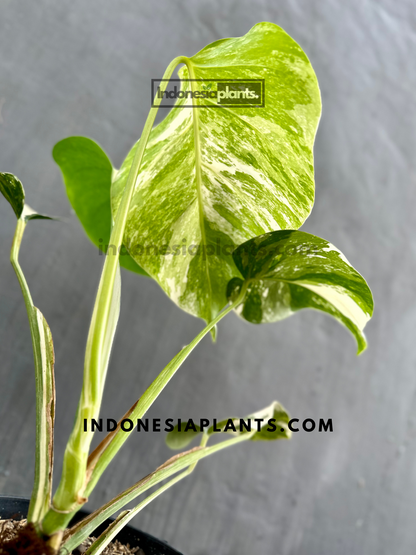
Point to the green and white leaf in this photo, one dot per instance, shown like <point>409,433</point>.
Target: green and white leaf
<point>179,439</point>
<point>12,189</point>
<point>287,271</point>
<point>87,173</point>
<point>221,175</point>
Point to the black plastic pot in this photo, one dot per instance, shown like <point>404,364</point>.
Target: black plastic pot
<point>17,507</point>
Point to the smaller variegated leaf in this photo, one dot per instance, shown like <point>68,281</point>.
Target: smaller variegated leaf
<point>286,271</point>
<point>267,424</point>
<point>12,189</point>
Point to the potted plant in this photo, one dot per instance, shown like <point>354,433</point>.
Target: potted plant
<point>208,203</point>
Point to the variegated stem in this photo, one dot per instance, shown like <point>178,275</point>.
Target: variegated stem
<point>70,493</point>
<point>124,517</point>
<point>45,390</point>
<point>187,460</point>
<point>105,452</point>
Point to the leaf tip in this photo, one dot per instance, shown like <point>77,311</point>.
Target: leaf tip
<point>12,189</point>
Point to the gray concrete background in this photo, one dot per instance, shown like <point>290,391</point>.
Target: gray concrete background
<point>84,68</point>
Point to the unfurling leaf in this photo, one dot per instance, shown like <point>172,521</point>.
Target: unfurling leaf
<point>179,439</point>
<point>87,173</point>
<point>212,178</point>
<point>290,270</point>
<point>267,424</point>
<point>12,189</point>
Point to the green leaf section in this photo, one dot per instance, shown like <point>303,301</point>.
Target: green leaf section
<point>256,424</point>
<point>212,178</point>
<point>87,173</point>
<point>286,271</point>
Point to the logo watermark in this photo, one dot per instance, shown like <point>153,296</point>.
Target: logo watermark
<point>208,93</point>
<point>239,425</point>
<point>216,248</point>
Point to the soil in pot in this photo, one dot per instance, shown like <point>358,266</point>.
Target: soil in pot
<point>16,508</point>
<point>19,538</point>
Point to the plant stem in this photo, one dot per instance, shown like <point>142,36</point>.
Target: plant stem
<point>70,492</point>
<point>45,389</point>
<point>101,457</point>
<point>14,259</point>
<point>85,528</point>
<point>124,518</point>
<point>101,543</point>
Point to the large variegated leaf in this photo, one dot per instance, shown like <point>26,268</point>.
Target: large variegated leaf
<point>214,178</point>
<point>286,271</point>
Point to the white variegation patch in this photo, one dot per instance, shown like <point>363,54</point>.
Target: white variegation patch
<point>342,301</point>
<point>287,271</point>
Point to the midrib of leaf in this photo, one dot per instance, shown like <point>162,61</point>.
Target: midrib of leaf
<point>198,180</point>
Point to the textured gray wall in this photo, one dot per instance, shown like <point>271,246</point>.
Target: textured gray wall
<point>73,67</point>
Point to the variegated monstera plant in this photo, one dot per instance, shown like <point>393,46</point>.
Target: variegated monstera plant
<point>207,203</point>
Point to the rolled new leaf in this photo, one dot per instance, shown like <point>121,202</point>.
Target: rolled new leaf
<point>87,173</point>
<point>286,271</point>
<point>12,189</point>
<point>267,424</point>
